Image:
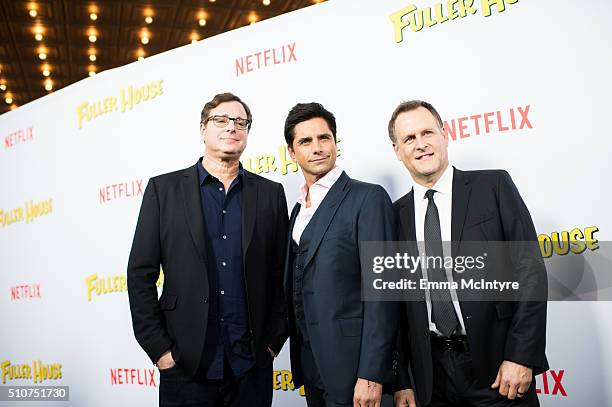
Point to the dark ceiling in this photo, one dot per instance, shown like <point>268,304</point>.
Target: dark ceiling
<point>61,29</point>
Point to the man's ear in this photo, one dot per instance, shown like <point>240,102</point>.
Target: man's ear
<point>291,152</point>
<point>202,128</point>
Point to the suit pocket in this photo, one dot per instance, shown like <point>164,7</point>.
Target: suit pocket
<point>504,310</point>
<point>350,327</point>
<point>486,216</point>
<point>167,302</point>
<point>336,233</point>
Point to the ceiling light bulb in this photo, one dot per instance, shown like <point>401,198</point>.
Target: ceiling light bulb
<point>92,73</point>
<point>266,2</point>
<point>38,37</point>
<point>144,40</point>
<point>93,16</point>
<point>8,100</point>
<point>46,72</point>
<point>2,87</point>
<point>202,22</point>
<point>148,19</point>
<point>33,13</point>
<point>92,57</point>
<point>93,38</point>
<point>48,85</point>
<point>42,56</point>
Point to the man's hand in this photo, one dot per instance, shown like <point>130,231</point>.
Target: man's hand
<point>513,379</point>
<point>165,361</point>
<point>367,393</point>
<point>404,398</point>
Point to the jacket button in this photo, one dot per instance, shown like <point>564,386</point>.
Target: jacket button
<point>205,300</point>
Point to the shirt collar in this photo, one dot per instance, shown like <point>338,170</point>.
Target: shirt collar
<point>325,182</point>
<point>203,174</point>
<point>444,185</point>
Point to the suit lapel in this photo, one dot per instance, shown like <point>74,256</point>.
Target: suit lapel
<point>287,273</point>
<point>461,198</point>
<point>406,215</point>
<point>326,211</point>
<point>193,209</point>
<point>408,235</point>
<point>249,209</point>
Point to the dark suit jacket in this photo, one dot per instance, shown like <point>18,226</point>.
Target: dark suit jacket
<point>486,206</point>
<point>170,233</point>
<point>349,338</point>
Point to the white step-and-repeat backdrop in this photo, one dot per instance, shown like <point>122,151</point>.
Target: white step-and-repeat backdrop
<point>522,85</point>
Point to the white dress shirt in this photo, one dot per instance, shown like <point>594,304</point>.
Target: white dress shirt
<point>317,191</point>
<point>444,202</point>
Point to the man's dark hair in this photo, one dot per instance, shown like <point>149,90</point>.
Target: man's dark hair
<point>409,106</point>
<point>303,112</point>
<point>222,98</point>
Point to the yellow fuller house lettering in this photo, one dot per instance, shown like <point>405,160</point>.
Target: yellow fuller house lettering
<point>104,285</point>
<point>13,372</point>
<point>38,371</point>
<point>574,241</point>
<point>42,371</point>
<point>439,13</point>
<point>98,286</point>
<point>128,98</point>
<point>132,96</point>
<point>266,163</point>
<point>30,211</point>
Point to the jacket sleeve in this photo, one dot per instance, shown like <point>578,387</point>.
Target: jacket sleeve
<point>278,321</point>
<point>142,274</point>
<point>376,224</point>
<point>527,334</point>
<point>401,356</point>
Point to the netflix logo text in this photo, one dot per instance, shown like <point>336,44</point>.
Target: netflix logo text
<point>138,377</point>
<point>498,121</point>
<point>121,190</point>
<point>551,383</point>
<point>24,291</point>
<point>18,137</point>
<point>266,58</point>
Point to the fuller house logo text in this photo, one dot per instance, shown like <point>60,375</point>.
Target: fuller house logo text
<point>440,13</point>
<point>129,97</point>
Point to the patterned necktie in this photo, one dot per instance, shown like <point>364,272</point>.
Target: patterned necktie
<point>443,313</point>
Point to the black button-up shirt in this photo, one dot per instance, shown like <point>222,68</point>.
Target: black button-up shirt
<point>227,336</point>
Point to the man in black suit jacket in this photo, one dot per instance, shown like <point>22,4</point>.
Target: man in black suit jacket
<point>458,352</point>
<point>218,232</point>
<point>340,345</point>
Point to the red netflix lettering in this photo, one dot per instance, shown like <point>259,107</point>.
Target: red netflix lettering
<point>497,121</point>
<point>24,291</point>
<point>557,389</point>
<point>18,137</point>
<point>265,58</point>
<point>127,189</point>
<point>131,376</point>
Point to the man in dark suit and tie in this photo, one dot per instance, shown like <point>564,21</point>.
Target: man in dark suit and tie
<point>341,346</point>
<point>219,232</point>
<point>464,353</point>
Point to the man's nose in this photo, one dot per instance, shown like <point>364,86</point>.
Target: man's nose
<point>420,143</point>
<point>231,126</point>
